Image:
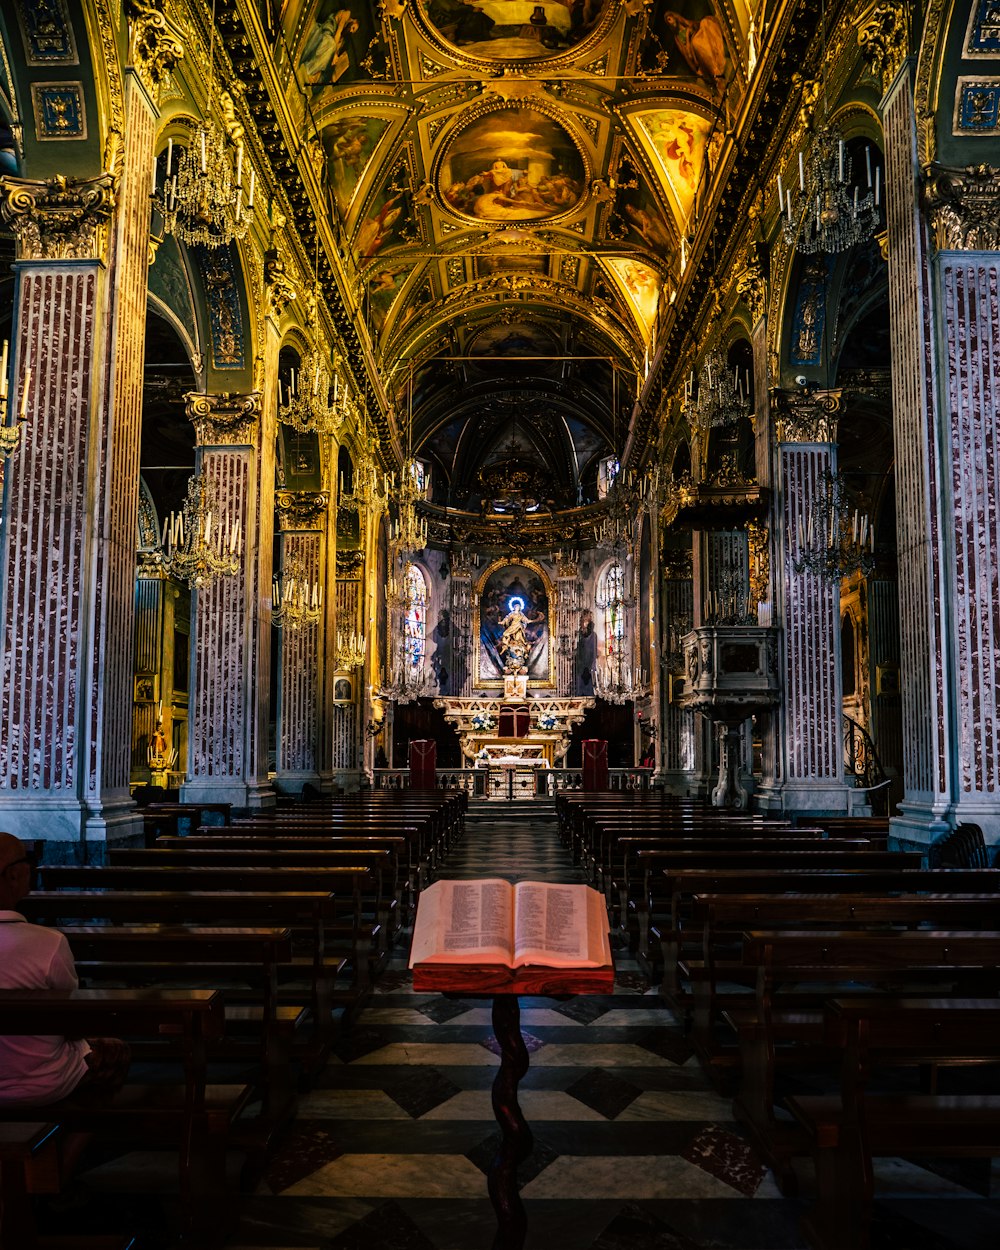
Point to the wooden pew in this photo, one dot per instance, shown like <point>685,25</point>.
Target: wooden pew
<point>848,1129</point>
<point>783,1027</point>
<point>193,1117</point>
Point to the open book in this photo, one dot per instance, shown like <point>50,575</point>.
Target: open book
<point>490,921</point>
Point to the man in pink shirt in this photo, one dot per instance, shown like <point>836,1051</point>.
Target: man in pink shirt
<point>37,1071</point>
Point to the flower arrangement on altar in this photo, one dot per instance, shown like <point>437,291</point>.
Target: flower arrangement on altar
<point>483,720</point>
<point>547,721</point>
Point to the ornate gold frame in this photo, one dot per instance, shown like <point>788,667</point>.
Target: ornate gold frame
<point>524,562</point>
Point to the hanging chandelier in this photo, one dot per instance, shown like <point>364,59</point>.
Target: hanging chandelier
<point>10,435</point>
<point>202,200</point>
<point>408,532</point>
<point>720,397</point>
<point>295,601</point>
<point>350,650</point>
<point>828,213</point>
<point>839,539</point>
<point>407,677</point>
<point>616,681</point>
<point>614,532</point>
<point>309,402</point>
<point>197,544</point>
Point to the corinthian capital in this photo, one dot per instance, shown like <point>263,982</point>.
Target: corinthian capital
<point>884,39</point>
<point>154,46</point>
<point>223,419</point>
<point>806,416</point>
<point>60,218</point>
<point>964,207</point>
<point>300,509</point>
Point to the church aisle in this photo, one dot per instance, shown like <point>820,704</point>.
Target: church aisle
<point>633,1149</point>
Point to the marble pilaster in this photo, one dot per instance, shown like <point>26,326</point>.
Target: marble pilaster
<point>461,628</point>
<point>231,616</point>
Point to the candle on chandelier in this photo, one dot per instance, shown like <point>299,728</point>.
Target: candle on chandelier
<point>3,371</point>
<point>316,379</point>
<point>239,166</point>
<point>204,163</point>
<point>781,194</point>
<point>253,174</point>
<point>152,189</point>
<point>840,160</point>
<point>802,173</point>
<point>788,193</point>
<point>868,166</point>
<point>24,394</point>
<point>208,525</point>
<point>878,183</point>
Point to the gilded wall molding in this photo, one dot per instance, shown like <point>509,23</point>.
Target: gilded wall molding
<point>60,218</point>
<point>806,416</point>
<point>154,46</point>
<point>884,39</point>
<point>224,419</point>
<point>963,207</point>
<point>300,509</point>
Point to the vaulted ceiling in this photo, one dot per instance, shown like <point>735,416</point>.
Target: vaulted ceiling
<point>513,184</point>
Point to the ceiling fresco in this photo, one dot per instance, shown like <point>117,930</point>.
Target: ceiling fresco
<point>512,183</point>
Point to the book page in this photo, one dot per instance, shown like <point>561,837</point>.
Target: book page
<point>559,926</point>
<point>463,922</point>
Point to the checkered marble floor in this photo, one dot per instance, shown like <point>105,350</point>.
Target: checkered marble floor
<point>633,1149</point>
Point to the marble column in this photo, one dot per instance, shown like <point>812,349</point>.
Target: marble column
<point>567,629</point>
<point>301,657</point>
<point>810,730</point>
<point>231,615</point>
<point>461,627</point>
<point>678,762</point>
<point>69,538</point>
<point>345,758</point>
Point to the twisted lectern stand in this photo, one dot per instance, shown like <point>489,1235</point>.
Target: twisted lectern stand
<point>503,985</point>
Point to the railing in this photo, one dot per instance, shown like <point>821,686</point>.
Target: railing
<point>862,762</point>
<point>511,782</point>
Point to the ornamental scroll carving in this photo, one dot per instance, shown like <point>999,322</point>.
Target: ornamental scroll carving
<point>226,419</point>
<point>300,509</point>
<point>154,47</point>
<point>964,207</point>
<point>60,218</point>
<point>279,289</point>
<point>884,39</point>
<point>751,284</point>
<point>350,563</point>
<point>806,416</point>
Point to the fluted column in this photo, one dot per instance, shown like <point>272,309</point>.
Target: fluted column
<point>345,760</point>
<point>462,640</point>
<point>678,759</point>
<point>567,623</point>
<point>810,724</point>
<point>231,616</point>
<point>301,660</point>
<point>68,557</point>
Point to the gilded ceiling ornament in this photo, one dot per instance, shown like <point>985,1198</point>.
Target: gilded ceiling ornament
<point>752,283</point>
<point>884,39</point>
<point>225,419</point>
<point>964,207</point>
<point>300,509</point>
<point>154,46</point>
<point>60,218</point>
<point>806,416</point>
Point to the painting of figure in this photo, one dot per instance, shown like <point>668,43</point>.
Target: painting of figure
<point>640,284</point>
<point>337,43</point>
<point>378,229</point>
<point>383,287</point>
<point>513,30</point>
<point>514,164</point>
<point>513,626</point>
<point>349,143</point>
<point>685,39</point>
<point>677,139</point>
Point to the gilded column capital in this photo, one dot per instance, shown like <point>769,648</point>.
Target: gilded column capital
<point>884,39</point>
<point>963,207</point>
<point>751,283</point>
<point>300,509</point>
<point>154,46</point>
<point>60,218</point>
<point>224,419</point>
<point>350,563</point>
<point>806,416</point>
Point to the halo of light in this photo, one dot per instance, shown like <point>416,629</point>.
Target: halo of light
<point>515,604</point>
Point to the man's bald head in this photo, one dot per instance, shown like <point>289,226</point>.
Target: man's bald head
<point>15,871</point>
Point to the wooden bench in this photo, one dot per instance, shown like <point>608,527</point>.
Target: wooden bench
<point>785,1026</point>
<point>847,1130</point>
<point>193,1117</point>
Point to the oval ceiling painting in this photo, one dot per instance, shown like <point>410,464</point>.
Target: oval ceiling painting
<point>513,30</point>
<point>513,164</point>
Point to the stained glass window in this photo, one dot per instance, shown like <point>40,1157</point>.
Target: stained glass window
<point>614,609</point>
<point>415,619</point>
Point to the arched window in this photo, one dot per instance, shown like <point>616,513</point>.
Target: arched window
<point>415,617</point>
<point>613,601</point>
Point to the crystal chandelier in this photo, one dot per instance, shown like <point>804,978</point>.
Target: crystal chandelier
<point>407,679</point>
<point>614,532</point>
<point>408,532</point>
<point>10,435</point>
<point>202,200</point>
<point>295,601</point>
<point>828,213</point>
<point>350,650</point>
<point>839,539</point>
<point>310,403</point>
<point>720,396</point>
<point>197,544</point>
<point>616,681</point>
